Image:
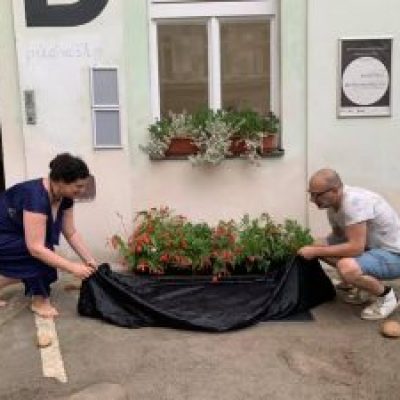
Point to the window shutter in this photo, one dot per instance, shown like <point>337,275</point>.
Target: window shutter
<point>105,108</point>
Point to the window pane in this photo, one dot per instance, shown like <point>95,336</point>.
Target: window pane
<point>107,128</point>
<point>245,64</point>
<point>183,67</point>
<point>105,87</point>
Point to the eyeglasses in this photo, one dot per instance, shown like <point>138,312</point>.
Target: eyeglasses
<point>315,195</point>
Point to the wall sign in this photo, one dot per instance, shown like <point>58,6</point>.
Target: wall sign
<point>365,77</point>
<point>39,13</point>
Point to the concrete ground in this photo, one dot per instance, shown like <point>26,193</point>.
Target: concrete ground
<point>337,356</point>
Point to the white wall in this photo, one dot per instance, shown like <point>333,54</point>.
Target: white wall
<point>365,151</point>
<point>55,63</point>
<point>10,110</point>
<point>234,188</point>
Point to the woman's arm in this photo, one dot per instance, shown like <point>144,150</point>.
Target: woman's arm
<point>75,240</point>
<point>35,234</point>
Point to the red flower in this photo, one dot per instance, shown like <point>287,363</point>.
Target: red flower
<point>164,258</point>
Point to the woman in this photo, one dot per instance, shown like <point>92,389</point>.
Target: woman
<point>32,216</point>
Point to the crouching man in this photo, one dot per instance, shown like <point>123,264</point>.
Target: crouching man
<point>364,244</point>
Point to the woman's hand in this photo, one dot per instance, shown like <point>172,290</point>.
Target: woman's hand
<point>92,264</point>
<point>81,271</point>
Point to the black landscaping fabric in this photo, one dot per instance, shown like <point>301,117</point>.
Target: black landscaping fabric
<point>197,303</point>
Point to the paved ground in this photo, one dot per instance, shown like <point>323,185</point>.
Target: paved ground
<point>336,357</point>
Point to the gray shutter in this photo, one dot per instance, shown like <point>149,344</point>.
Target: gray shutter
<point>105,107</point>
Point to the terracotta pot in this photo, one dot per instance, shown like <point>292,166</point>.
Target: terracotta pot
<point>269,143</point>
<point>181,147</point>
<point>238,146</point>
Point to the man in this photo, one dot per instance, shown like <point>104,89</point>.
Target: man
<point>364,244</point>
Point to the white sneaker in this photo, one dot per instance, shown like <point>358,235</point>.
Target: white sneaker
<point>381,308</point>
<point>355,296</point>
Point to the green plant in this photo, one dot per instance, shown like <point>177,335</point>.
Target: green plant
<point>213,141</point>
<point>163,130</point>
<point>271,123</point>
<point>163,242</point>
<point>212,131</point>
<point>255,238</point>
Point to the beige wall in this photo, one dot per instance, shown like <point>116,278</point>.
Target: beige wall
<point>55,63</point>
<point>10,109</point>
<point>234,188</point>
<point>365,151</point>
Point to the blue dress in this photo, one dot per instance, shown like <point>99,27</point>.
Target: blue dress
<point>15,259</point>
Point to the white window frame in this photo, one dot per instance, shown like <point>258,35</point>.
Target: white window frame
<point>104,107</point>
<point>213,12</point>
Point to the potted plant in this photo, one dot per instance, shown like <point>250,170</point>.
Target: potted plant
<point>213,132</point>
<point>165,243</point>
<point>249,126</point>
<point>171,136</point>
<point>269,141</point>
<point>211,136</point>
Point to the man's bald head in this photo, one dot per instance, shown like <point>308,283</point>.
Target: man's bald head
<point>325,178</point>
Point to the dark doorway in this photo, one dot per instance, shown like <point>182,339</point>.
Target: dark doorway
<point>2,180</point>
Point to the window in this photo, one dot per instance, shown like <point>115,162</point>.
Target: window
<point>105,108</point>
<point>212,54</point>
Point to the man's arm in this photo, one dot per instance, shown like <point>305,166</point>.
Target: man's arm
<point>356,236</point>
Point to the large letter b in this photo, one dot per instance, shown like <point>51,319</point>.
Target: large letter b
<point>39,13</point>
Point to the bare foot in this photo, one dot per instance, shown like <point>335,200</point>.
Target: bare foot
<point>42,307</point>
<point>4,282</point>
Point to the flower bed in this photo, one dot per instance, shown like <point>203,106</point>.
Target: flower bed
<point>165,243</point>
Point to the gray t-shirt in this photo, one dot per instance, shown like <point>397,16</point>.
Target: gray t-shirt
<point>361,205</point>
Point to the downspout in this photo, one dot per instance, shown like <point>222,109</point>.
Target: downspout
<point>18,87</point>
<point>306,113</point>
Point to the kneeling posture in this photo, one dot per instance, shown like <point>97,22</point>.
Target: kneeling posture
<point>32,216</point>
<point>364,244</point>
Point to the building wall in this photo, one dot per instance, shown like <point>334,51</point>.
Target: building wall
<point>365,151</point>
<point>233,188</point>
<point>10,110</point>
<point>55,63</point>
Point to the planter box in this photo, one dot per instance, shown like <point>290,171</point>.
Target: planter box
<point>181,147</point>
<point>268,144</point>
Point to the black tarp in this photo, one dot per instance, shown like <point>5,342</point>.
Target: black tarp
<point>197,303</point>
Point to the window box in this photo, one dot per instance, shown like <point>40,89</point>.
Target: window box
<point>181,147</point>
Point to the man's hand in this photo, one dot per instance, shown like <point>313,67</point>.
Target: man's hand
<point>308,252</point>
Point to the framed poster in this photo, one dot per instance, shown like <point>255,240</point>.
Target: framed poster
<point>365,69</point>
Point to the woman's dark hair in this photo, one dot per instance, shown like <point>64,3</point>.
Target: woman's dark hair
<point>67,168</point>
